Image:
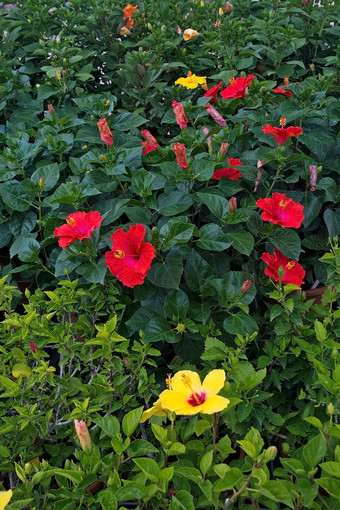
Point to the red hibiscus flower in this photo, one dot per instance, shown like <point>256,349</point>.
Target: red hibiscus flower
<point>150,143</point>
<point>213,92</point>
<point>281,210</point>
<point>79,225</point>
<point>130,258</point>
<point>238,87</point>
<point>181,119</point>
<point>280,89</point>
<point>179,150</point>
<point>293,271</point>
<point>230,172</point>
<point>282,134</point>
<point>215,115</point>
<point>104,131</point>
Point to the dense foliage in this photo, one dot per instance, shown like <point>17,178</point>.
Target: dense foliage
<point>228,199</point>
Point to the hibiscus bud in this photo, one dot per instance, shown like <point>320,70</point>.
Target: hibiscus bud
<point>64,72</point>
<point>260,169</point>
<point>245,287</point>
<point>104,131</point>
<point>34,348</point>
<point>51,109</point>
<point>229,7</point>
<point>181,119</point>
<point>178,30</point>
<point>270,453</point>
<point>205,132</point>
<point>223,149</point>
<point>83,435</point>
<point>312,67</point>
<point>220,11</point>
<point>330,409</point>
<point>233,204</point>
<point>58,74</point>
<point>286,448</point>
<point>149,26</point>
<point>215,115</point>
<point>180,328</point>
<point>313,174</point>
<point>42,182</point>
<point>189,34</point>
<point>179,150</point>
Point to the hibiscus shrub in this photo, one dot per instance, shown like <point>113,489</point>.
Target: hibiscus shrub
<point>169,176</point>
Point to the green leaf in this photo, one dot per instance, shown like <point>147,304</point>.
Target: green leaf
<point>255,438</point>
<point>131,421</point>
<point>206,462</point>
<point>149,467</point>
<point>108,424</point>
<point>176,231</point>
<point>315,450</point>
<point>176,304</point>
<point>241,240</point>
<point>173,203</point>
<point>50,173</point>
<point>248,448</point>
<point>197,271</point>
<point>276,491</point>
<point>330,485</point>
<point>228,481</point>
<point>127,121</point>
<point>287,241</point>
<point>332,220</point>
<point>26,248</point>
<point>331,468</point>
<point>159,329</point>
<point>14,197</point>
<point>219,206</point>
<point>182,501</point>
<point>93,272</point>
<point>211,237</point>
<point>240,322</point>
<point>320,330</point>
<point>168,273</point>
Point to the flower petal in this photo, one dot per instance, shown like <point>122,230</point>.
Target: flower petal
<point>156,410</point>
<point>214,404</point>
<point>5,497</point>
<point>178,384</point>
<point>173,400</point>
<point>213,382</point>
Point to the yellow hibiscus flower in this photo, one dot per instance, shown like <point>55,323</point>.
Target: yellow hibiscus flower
<point>187,395</point>
<point>156,410</point>
<point>5,497</point>
<point>191,81</point>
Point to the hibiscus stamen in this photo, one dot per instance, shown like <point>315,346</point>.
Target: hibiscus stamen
<point>286,80</point>
<point>168,382</point>
<point>232,79</point>
<point>119,254</point>
<point>283,203</point>
<point>71,222</point>
<point>187,382</point>
<point>283,121</point>
<point>290,264</point>
<point>189,73</point>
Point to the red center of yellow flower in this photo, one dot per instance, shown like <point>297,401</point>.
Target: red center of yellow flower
<point>283,121</point>
<point>71,222</point>
<point>119,254</point>
<point>283,203</point>
<point>290,264</point>
<point>232,79</point>
<point>195,399</point>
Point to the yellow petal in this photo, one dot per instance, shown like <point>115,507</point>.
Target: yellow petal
<point>178,382</point>
<point>173,400</point>
<point>189,410</point>
<point>214,404</point>
<point>189,34</point>
<point>5,497</point>
<point>214,382</point>
<point>155,410</point>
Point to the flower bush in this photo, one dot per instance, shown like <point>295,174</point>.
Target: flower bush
<point>157,228</point>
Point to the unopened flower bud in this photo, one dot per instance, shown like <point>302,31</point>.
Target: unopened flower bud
<point>270,453</point>
<point>42,182</point>
<point>330,409</point>
<point>205,132</point>
<point>260,169</point>
<point>34,348</point>
<point>233,204</point>
<point>313,174</point>
<point>281,271</point>
<point>285,448</point>
<point>83,435</point>
<point>245,287</point>
<point>58,74</point>
<point>223,149</point>
<point>64,72</point>
<point>180,328</point>
<point>51,109</point>
<point>149,26</point>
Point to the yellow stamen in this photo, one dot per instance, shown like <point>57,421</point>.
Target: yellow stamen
<point>189,73</point>
<point>71,222</point>
<point>290,264</point>
<point>283,203</point>
<point>286,80</point>
<point>204,86</point>
<point>119,254</point>
<point>168,382</point>
<point>187,382</point>
<point>283,121</point>
<point>232,79</point>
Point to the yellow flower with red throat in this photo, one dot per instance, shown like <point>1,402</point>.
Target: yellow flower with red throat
<point>191,81</point>
<point>188,396</point>
<point>189,34</point>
